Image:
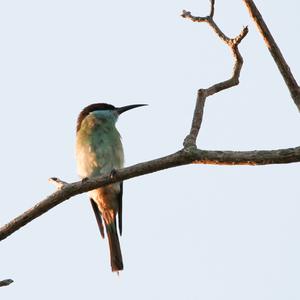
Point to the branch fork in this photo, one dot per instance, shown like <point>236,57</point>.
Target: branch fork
<point>232,43</point>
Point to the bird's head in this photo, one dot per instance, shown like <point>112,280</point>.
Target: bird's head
<point>104,111</point>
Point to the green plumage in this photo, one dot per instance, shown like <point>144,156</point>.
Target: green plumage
<point>98,151</point>
<point>99,147</point>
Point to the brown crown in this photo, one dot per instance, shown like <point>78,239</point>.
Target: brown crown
<point>91,108</point>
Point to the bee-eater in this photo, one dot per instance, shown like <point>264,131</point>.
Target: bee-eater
<point>99,151</point>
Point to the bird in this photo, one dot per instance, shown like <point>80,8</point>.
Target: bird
<point>99,151</point>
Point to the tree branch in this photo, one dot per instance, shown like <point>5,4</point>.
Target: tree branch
<point>182,157</point>
<point>212,8</point>
<point>275,52</point>
<point>190,140</point>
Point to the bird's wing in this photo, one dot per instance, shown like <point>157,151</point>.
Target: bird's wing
<point>98,216</point>
<point>120,208</point>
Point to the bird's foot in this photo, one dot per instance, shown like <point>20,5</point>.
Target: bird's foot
<point>84,179</point>
<point>113,173</point>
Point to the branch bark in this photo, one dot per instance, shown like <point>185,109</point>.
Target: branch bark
<point>182,157</point>
<point>275,52</point>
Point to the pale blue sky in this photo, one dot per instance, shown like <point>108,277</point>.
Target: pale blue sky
<point>194,232</point>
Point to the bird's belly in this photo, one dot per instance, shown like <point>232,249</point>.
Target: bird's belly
<point>86,162</point>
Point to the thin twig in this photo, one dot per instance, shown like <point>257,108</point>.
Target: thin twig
<point>57,182</point>
<point>190,140</point>
<point>275,52</point>
<point>6,282</point>
<point>212,8</point>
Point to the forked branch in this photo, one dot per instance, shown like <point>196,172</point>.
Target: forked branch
<point>232,43</point>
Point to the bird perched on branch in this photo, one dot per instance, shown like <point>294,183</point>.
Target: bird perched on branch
<point>99,151</point>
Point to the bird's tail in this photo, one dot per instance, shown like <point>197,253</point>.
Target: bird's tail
<point>116,260</point>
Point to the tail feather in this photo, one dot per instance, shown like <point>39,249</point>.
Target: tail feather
<point>116,260</point>
<point>108,219</point>
<point>98,216</point>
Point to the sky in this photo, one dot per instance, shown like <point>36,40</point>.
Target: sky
<point>192,232</point>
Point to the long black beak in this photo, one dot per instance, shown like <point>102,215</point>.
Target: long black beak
<point>120,110</point>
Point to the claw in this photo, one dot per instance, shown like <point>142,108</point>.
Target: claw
<point>84,179</point>
<point>113,173</point>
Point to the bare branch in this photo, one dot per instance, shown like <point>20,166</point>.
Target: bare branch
<point>190,140</point>
<point>6,282</point>
<point>275,52</point>
<point>187,14</point>
<point>212,8</point>
<point>183,157</point>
